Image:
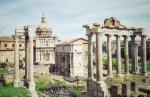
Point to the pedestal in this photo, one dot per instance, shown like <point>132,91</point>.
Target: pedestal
<point>102,90</point>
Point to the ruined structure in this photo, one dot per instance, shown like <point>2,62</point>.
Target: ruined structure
<point>29,80</point>
<point>98,88</point>
<point>71,57</point>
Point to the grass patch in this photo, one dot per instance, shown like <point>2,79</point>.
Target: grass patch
<point>41,84</point>
<point>10,91</point>
<point>3,70</point>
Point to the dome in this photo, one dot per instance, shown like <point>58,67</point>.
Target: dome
<point>43,25</point>
<point>43,30</point>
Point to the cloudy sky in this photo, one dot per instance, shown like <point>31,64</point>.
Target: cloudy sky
<point>66,17</point>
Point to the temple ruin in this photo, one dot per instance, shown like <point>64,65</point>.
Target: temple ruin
<point>112,27</point>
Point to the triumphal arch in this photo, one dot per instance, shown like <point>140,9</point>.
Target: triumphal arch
<point>112,27</point>
<point>29,80</point>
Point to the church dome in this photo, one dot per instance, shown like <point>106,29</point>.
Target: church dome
<point>43,28</point>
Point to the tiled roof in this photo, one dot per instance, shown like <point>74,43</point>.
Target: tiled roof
<point>8,38</point>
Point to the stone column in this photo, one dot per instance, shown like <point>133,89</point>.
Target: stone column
<point>133,53</point>
<point>144,68</point>
<point>126,54</point>
<point>26,58</point>
<point>118,53</point>
<point>71,65</point>
<point>90,59</point>
<point>31,79</point>
<point>16,62</point>
<point>66,59</point>
<point>136,67</point>
<point>109,55</point>
<point>99,58</point>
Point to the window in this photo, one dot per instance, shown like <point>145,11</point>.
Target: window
<point>13,45</point>
<point>20,45</point>
<point>5,45</point>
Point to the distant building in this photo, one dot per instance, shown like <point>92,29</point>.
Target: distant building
<point>45,44</point>
<point>71,57</point>
<point>7,49</point>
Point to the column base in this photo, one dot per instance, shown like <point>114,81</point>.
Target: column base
<point>89,87</point>
<point>102,90</point>
<point>32,89</point>
<point>16,83</point>
<point>31,85</point>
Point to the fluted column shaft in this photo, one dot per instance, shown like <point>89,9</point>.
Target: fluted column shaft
<point>144,68</point>
<point>99,58</point>
<point>126,55</point>
<point>109,55</point>
<point>118,55</point>
<point>90,59</point>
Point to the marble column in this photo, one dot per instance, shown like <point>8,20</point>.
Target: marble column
<point>90,59</point>
<point>133,53</point>
<point>109,55</point>
<point>99,58</point>
<point>31,79</point>
<point>118,54</point>
<point>126,54</point>
<point>16,62</point>
<point>144,64</point>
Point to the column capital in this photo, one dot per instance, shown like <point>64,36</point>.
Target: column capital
<point>125,36</point>
<point>89,34</point>
<point>108,35</point>
<point>132,36</point>
<point>98,33</point>
<point>116,35</point>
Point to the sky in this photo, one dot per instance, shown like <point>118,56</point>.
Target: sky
<point>66,17</point>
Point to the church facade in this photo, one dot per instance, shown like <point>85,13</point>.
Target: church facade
<point>45,44</point>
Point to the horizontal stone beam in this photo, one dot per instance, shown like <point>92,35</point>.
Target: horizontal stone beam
<point>20,32</point>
